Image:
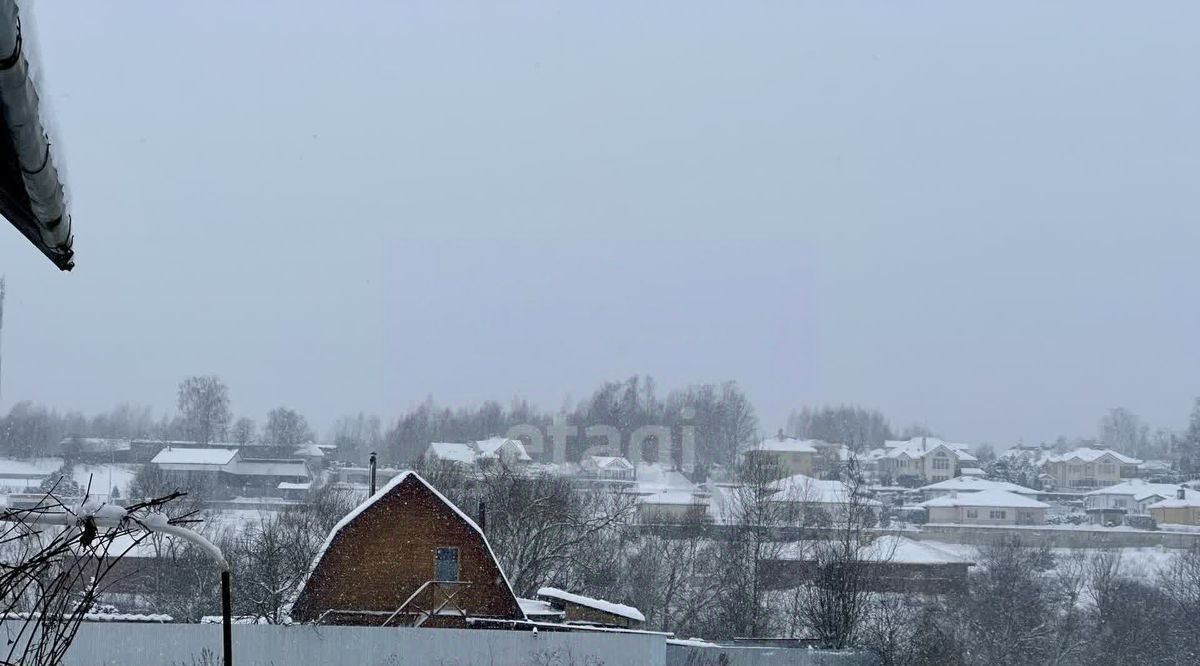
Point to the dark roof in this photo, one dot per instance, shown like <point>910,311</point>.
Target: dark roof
<point>31,194</point>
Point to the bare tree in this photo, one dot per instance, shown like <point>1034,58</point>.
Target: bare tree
<point>286,428</point>
<point>243,431</point>
<point>1124,431</point>
<point>204,408</point>
<point>273,553</point>
<point>51,578</point>
<point>543,531</point>
<point>836,602</point>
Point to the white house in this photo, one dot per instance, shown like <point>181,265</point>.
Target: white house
<point>504,449</point>
<point>924,459</point>
<point>1090,468</point>
<point>987,507</point>
<point>613,468</point>
<point>804,493</point>
<point>971,484</point>
<point>1133,496</point>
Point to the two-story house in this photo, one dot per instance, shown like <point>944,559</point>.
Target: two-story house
<point>923,460</point>
<point>1090,468</point>
<point>790,455</point>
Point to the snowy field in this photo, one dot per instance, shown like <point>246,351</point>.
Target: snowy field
<point>21,474</point>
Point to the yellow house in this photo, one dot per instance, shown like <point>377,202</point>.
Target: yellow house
<point>1183,509</point>
<point>792,456</point>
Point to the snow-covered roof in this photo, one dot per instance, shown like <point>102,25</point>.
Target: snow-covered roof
<point>673,497</point>
<point>266,467</point>
<point>615,462</point>
<point>309,451</point>
<point>927,442</point>
<point>538,607</point>
<point>452,452</point>
<point>1141,490</point>
<point>1192,500</point>
<point>781,444</point>
<point>919,447</point>
<point>887,548</point>
<point>655,478</point>
<point>969,484</point>
<point>986,498</point>
<point>1092,455</point>
<point>368,503</point>
<point>12,468</point>
<point>489,448</point>
<point>599,604</point>
<point>178,456</point>
<point>972,471</point>
<point>290,485</point>
<point>802,488</point>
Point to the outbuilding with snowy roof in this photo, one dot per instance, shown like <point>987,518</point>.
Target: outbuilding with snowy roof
<point>580,609</point>
<point>406,557</point>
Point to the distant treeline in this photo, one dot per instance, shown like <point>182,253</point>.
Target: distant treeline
<point>721,416</point>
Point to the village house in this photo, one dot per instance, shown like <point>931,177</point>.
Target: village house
<point>789,455</point>
<point>894,564</point>
<point>496,449</point>
<point>1182,509</point>
<point>406,557</point>
<point>972,484</point>
<point>807,498</point>
<point>1130,497</point>
<point>607,468</point>
<point>1090,468</point>
<point>578,609</point>
<point>226,471</point>
<point>923,460</point>
<point>987,507</point>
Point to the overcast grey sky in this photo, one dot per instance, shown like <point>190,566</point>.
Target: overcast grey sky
<point>982,217</point>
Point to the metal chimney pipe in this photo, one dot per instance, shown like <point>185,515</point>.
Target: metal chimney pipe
<point>372,474</point>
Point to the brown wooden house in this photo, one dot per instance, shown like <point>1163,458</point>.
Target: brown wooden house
<point>406,557</point>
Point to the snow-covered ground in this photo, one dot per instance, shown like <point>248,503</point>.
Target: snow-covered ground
<point>21,474</point>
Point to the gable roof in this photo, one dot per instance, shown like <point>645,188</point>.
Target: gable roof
<point>611,461</point>
<point>620,610</point>
<point>987,498</point>
<point>1092,455</point>
<point>974,484</point>
<point>403,477</point>
<point>490,447</point>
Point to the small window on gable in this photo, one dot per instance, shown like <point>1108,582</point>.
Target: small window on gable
<point>447,565</point>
